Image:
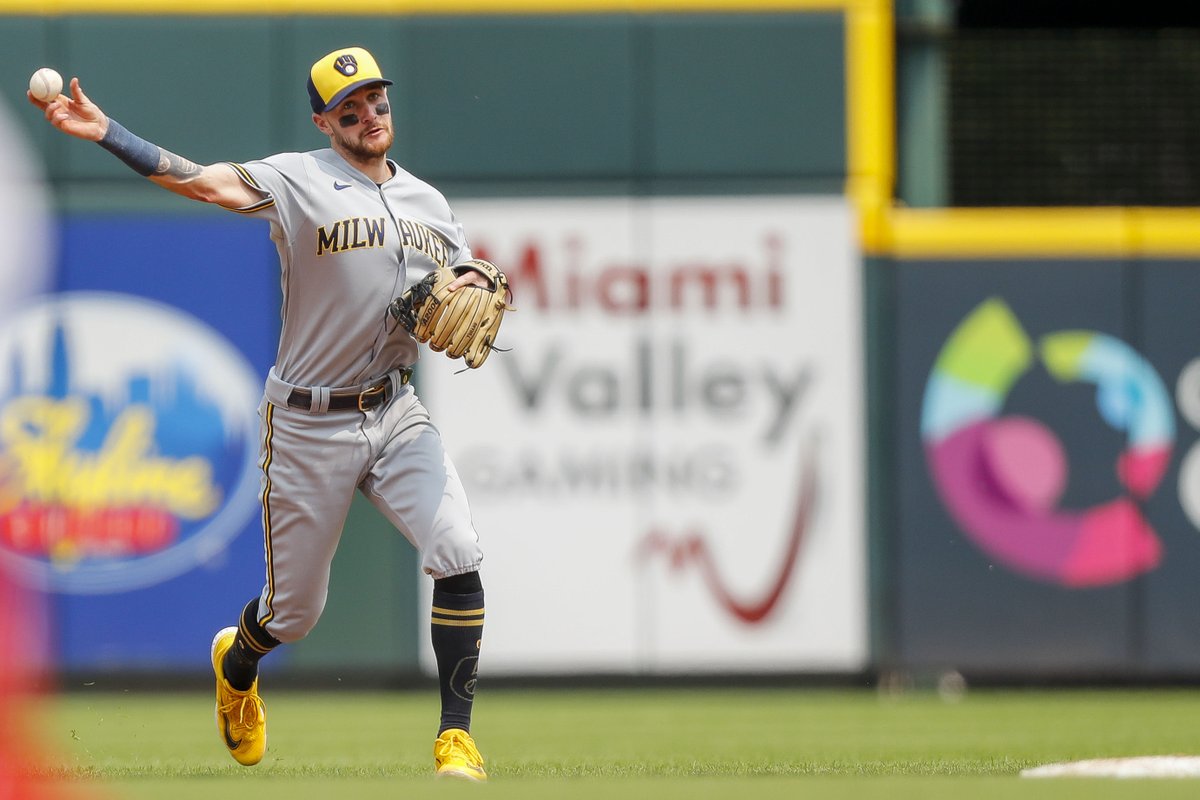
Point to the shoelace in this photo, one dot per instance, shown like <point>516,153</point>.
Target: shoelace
<point>456,742</point>
<point>248,708</point>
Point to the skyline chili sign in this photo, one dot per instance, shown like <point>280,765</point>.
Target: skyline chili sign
<point>127,443</point>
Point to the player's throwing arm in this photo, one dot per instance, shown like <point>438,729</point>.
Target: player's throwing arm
<point>75,114</point>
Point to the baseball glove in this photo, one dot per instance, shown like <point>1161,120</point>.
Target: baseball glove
<point>462,323</point>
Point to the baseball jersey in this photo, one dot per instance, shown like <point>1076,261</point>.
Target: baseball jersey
<point>347,247</point>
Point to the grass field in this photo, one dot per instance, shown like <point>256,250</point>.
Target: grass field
<point>746,744</point>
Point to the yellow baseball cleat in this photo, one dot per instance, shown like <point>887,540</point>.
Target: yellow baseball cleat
<point>455,756</point>
<point>241,716</point>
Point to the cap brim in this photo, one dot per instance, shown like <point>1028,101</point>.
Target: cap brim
<point>340,96</point>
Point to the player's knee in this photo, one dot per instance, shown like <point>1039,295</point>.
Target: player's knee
<point>293,626</point>
<point>452,554</point>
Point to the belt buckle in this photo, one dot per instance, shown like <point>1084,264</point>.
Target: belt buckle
<point>374,390</point>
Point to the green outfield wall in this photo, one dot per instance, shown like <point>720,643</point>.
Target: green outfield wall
<point>490,99</point>
<point>502,103</point>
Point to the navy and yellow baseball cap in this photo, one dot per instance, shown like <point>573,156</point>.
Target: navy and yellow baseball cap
<point>340,73</point>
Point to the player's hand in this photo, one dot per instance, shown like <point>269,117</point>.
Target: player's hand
<point>469,277</point>
<point>74,114</point>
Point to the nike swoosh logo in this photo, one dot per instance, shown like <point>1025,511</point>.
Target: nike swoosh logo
<point>233,744</point>
<point>340,186</point>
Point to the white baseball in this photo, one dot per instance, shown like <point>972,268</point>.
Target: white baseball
<point>45,84</point>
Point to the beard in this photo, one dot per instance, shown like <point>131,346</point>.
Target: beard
<point>362,148</point>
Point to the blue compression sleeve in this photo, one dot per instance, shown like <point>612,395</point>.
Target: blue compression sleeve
<point>141,156</point>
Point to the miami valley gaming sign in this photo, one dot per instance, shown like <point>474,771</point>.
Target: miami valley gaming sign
<point>674,431</point>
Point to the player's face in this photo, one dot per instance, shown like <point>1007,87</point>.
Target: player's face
<point>361,125</point>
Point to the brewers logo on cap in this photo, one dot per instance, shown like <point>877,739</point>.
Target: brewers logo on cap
<point>346,64</point>
<point>340,73</point>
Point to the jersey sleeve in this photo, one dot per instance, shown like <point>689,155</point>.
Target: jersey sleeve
<point>268,176</point>
<point>268,199</point>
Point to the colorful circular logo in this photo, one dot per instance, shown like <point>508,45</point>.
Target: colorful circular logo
<point>128,443</point>
<point>1001,477</point>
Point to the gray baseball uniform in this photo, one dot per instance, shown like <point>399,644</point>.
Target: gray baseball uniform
<point>347,247</point>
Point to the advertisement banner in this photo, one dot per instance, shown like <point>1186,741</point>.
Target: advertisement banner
<point>128,437</point>
<point>1046,477</point>
<point>665,457</point>
<point>1168,639</point>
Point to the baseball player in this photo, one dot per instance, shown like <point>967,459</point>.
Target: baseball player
<point>353,229</point>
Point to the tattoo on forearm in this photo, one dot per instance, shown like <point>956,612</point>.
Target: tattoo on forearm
<point>175,166</point>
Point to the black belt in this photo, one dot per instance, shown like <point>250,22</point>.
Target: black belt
<point>374,395</point>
